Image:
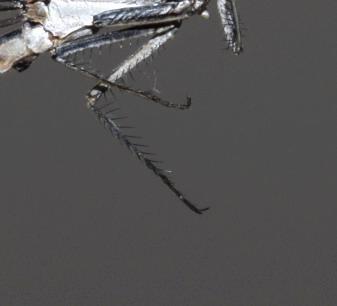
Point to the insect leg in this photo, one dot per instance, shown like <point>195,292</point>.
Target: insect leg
<point>161,37</point>
<point>63,52</point>
<point>144,52</point>
<point>230,21</point>
<point>149,14</point>
<point>116,131</point>
<point>71,47</point>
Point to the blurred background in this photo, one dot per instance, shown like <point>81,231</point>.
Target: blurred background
<point>82,222</point>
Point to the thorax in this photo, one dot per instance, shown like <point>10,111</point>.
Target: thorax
<point>63,17</point>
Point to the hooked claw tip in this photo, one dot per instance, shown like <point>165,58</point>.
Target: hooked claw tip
<point>200,211</point>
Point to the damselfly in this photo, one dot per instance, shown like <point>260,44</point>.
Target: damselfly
<point>66,27</point>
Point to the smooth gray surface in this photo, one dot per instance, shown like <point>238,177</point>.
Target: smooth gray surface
<point>83,223</point>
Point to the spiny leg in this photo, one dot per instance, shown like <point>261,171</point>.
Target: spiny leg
<point>230,21</point>
<point>148,49</point>
<point>63,52</point>
<point>148,14</point>
<point>68,48</point>
<point>144,52</point>
<point>148,95</point>
<point>143,156</point>
<point>110,123</point>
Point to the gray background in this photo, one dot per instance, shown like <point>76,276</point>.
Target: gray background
<point>83,223</point>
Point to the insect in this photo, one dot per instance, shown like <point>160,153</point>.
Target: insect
<point>66,27</point>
